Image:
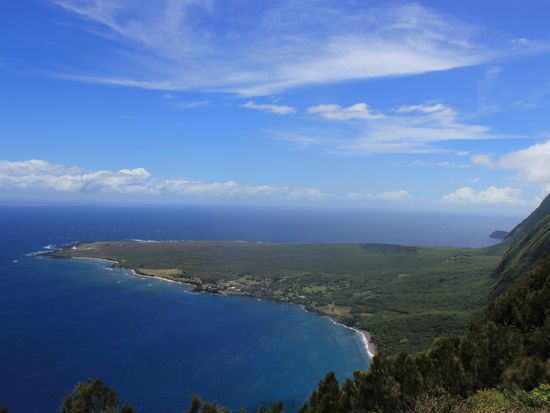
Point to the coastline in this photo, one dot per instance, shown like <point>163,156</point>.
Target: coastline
<point>158,277</point>
<point>366,338</point>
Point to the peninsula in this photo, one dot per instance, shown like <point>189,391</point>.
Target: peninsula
<point>405,296</point>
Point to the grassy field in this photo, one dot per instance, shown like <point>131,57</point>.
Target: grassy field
<point>405,296</point>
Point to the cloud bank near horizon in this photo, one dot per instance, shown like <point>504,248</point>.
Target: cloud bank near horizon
<point>35,176</point>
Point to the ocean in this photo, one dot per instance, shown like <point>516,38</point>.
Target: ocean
<point>157,343</point>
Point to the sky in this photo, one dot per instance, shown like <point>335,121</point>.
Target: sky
<point>432,105</point>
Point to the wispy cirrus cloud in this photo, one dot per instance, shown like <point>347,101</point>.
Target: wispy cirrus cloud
<point>357,129</point>
<point>191,105</point>
<point>269,107</point>
<point>358,111</point>
<point>425,164</point>
<point>186,44</point>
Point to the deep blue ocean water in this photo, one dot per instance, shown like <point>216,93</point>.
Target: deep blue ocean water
<point>62,321</point>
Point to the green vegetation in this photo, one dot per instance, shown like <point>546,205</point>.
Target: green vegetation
<point>529,223</point>
<point>405,296</point>
<point>487,401</point>
<point>199,406</point>
<point>523,254</point>
<point>507,350</point>
<point>93,396</point>
<point>501,363</point>
<point>499,234</point>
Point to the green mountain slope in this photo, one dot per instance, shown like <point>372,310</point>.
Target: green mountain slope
<point>509,348</point>
<point>521,230</point>
<point>528,243</point>
<point>529,223</point>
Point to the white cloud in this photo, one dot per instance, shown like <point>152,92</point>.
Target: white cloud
<point>140,172</point>
<point>267,107</point>
<point>519,42</point>
<point>485,87</point>
<point>532,164</point>
<point>183,45</point>
<point>41,175</point>
<point>181,186</point>
<point>307,193</point>
<point>425,164</point>
<point>491,195</point>
<point>483,160</point>
<point>429,108</point>
<point>392,196</point>
<point>358,111</point>
<point>59,178</point>
<point>191,105</point>
<point>33,166</point>
<point>417,128</point>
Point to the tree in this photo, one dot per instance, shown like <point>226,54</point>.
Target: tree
<point>209,407</point>
<point>276,408</point>
<point>326,399</point>
<point>196,404</point>
<point>93,396</point>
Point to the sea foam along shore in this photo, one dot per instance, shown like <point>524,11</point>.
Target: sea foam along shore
<point>158,277</point>
<point>365,337</point>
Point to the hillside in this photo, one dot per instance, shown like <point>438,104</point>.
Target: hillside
<point>523,255</point>
<point>526,244</point>
<point>529,223</point>
<point>508,349</point>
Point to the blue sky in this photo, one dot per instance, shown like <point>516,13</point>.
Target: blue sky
<point>427,105</point>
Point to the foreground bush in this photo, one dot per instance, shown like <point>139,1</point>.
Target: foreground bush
<point>93,396</point>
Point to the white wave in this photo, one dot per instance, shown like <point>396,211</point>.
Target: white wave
<point>362,336</point>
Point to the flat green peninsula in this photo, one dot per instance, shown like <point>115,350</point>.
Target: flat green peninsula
<point>405,296</point>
